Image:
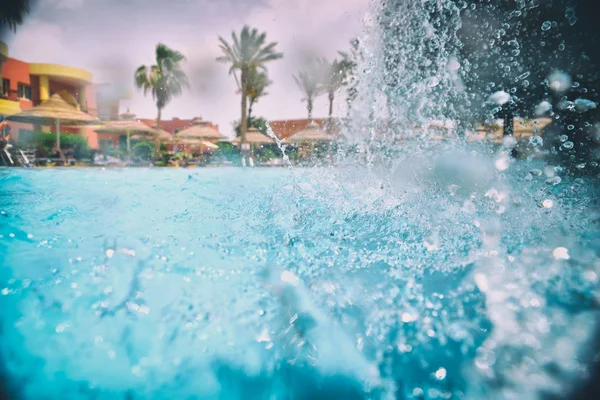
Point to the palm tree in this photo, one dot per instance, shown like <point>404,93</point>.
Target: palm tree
<point>247,54</point>
<point>12,13</point>
<point>309,83</point>
<point>335,77</point>
<point>356,55</point>
<point>165,79</point>
<point>257,85</point>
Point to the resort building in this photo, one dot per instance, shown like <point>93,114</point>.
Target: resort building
<point>25,85</point>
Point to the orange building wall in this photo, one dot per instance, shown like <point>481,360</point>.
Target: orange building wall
<point>17,72</point>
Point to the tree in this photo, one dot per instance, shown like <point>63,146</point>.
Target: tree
<point>257,122</point>
<point>247,53</point>
<point>164,80</point>
<point>308,81</point>
<point>12,13</point>
<point>532,59</point>
<point>353,58</point>
<point>257,85</point>
<point>335,77</point>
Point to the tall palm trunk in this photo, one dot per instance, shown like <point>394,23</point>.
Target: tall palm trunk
<point>509,123</point>
<point>244,122</point>
<point>331,96</point>
<point>309,105</point>
<point>250,104</point>
<point>157,142</point>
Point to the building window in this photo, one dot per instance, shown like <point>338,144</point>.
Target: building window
<point>5,87</point>
<point>24,91</point>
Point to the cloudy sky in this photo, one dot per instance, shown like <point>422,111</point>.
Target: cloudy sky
<point>112,37</point>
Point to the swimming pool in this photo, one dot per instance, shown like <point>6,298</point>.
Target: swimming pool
<point>348,283</point>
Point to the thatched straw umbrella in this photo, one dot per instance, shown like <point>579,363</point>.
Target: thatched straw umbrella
<point>200,130</point>
<point>311,133</point>
<point>55,110</point>
<point>130,126</point>
<point>203,144</point>
<point>253,138</point>
<point>533,127</point>
<point>310,136</point>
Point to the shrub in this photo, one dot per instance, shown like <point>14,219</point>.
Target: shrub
<point>45,141</point>
<point>143,150</point>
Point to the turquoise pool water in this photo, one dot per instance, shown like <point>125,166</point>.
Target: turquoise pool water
<point>444,281</point>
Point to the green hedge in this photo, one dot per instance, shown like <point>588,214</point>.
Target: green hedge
<point>48,139</point>
<point>45,141</point>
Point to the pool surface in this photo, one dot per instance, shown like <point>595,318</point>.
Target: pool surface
<point>351,283</point>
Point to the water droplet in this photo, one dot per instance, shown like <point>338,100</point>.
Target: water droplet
<point>440,374</point>
<point>546,25</point>
<point>590,276</point>
<point>408,317</point>
<point>547,203</point>
<point>502,163</point>
<point>560,253</point>
<point>110,253</point>
<point>555,180</point>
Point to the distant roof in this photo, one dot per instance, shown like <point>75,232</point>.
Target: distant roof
<point>283,129</point>
<point>176,124</point>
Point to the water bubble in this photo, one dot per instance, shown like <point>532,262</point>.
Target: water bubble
<point>536,141</point>
<point>547,203</point>
<point>509,142</point>
<point>536,172</point>
<point>563,138</point>
<point>502,163</point>
<point>546,25</point>
<point>560,253</point>
<point>440,374</point>
<point>568,145</point>
<point>591,276</point>
<point>543,107</point>
<point>110,253</point>
<point>570,127</point>
<point>61,327</point>
<point>482,282</point>
<point>555,180</point>
<point>499,98</point>
<point>559,81</point>
<point>408,317</point>
<point>583,105</point>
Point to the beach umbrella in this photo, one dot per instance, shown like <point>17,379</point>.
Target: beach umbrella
<point>311,133</point>
<point>525,128</point>
<point>133,127</point>
<point>57,111</point>
<point>253,136</point>
<point>200,129</point>
<point>204,144</point>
